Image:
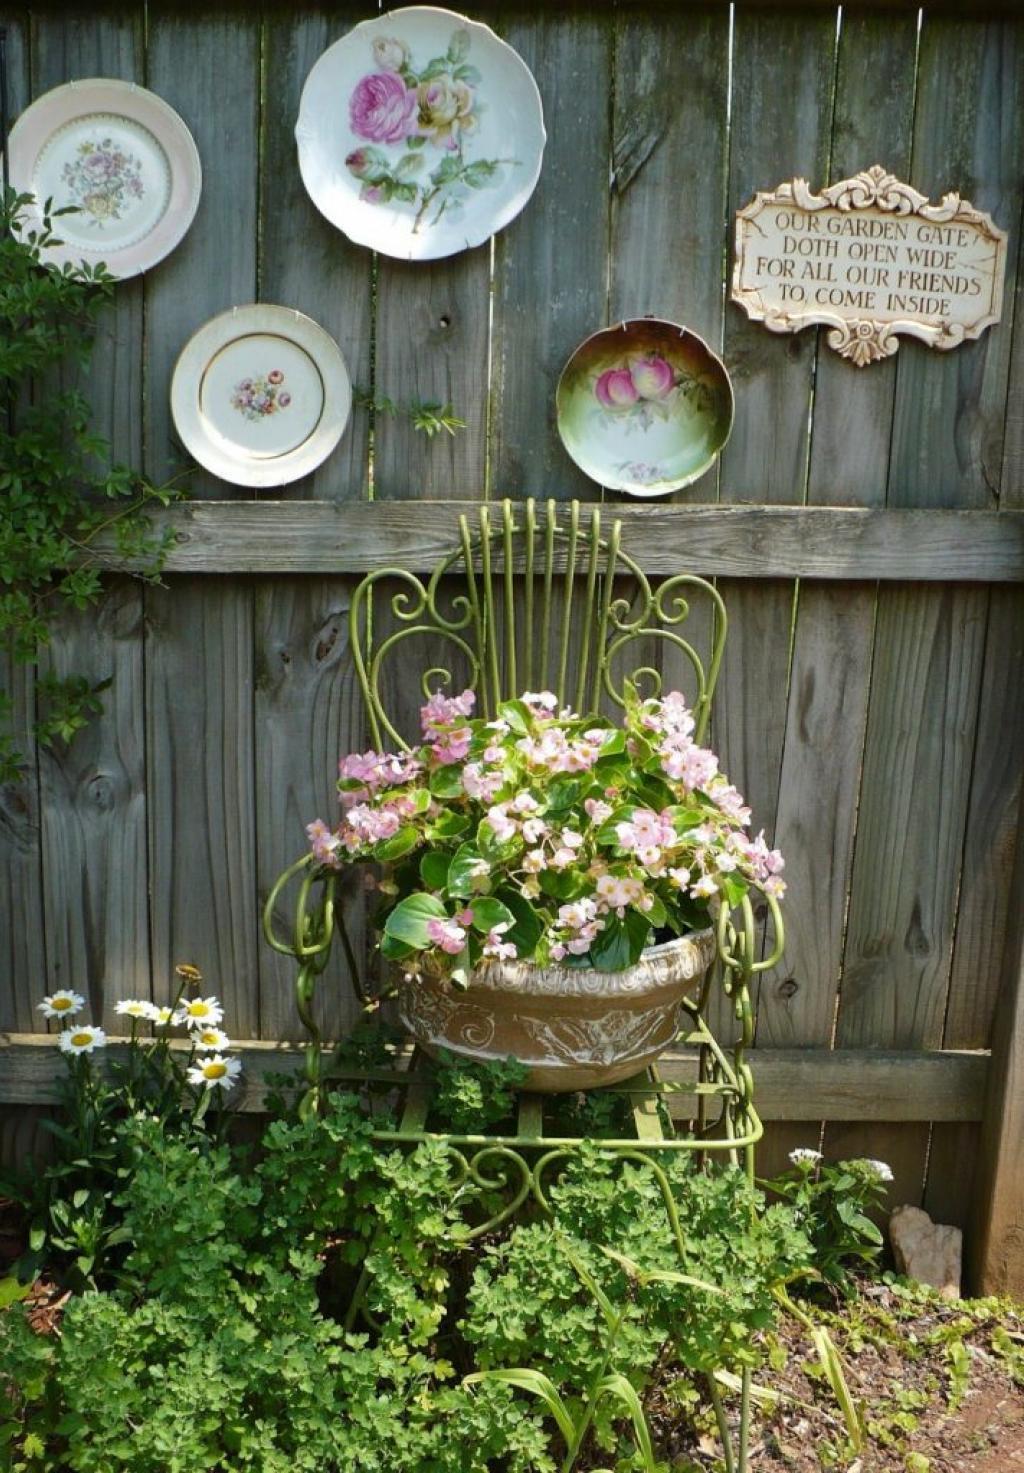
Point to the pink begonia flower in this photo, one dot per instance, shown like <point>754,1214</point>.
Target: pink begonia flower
<point>729,800</point>
<point>652,377</point>
<point>464,917</point>
<point>497,947</point>
<point>525,803</point>
<point>541,702</point>
<point>324,843</point>
<point>503,826</point>
<point>452,746</point>
<point>534,830</point>
<point>705,887</point>
<point>646,830</point>
<point>693,766</point>
<point>556,951</point>
<point>615,892</point>
<point>725,863</point>
<point>577,913</point>
<point>382,108</point>
<point>533,860</point>
<point>494,754</point>
<point>680,877</point>
<point>597,811</point>
<point>448,935</point>
<point>562,858</point>
<point>615,389</point>
<point>441,710</point>
<point>483,786</point>
<point>571,839</point>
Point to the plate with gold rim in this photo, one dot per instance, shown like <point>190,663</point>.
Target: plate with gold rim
<point>124,163</point>
<point>261,395</point>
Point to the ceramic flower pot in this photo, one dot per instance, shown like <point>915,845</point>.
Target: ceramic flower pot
<point>573,1027</point>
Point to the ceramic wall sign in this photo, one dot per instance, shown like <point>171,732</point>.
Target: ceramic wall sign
<point>870,258</point>
<point>644,407</point>
<point>260,395</point>
<point>420,133</point>
<point>123,158</point>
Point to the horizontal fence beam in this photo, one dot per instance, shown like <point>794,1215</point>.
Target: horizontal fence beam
<point>846,543</point>
<point>789,1084</point>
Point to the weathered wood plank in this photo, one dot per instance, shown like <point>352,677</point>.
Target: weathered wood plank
<point>22,938</point>
<point>432,348</point>
<point>948,427</point>
<point>201,781</point>
<point>93,791</point>
<point>303,698</point>
<point>779,127</point>
<point>199,638</point>
<point>550,288</point>
<point>669,144</point>
<point>308,714</point>
<point>995,1246</point>
<point>913,801</point>
<point>873,116</point>
<point>946,451</point>
<point>193,57</point>
<point>792,1084</point>
<point>304,261</point>
<point>759,542</point>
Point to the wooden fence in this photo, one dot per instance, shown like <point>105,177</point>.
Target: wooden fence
<point>861,524</point>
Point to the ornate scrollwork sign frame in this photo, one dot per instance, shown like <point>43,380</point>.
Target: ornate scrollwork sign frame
<point>870,258</point>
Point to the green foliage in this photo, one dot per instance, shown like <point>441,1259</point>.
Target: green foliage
<point>58,488</point>
<point>831,1203</point>
<point>469,1097</point>
<point>428,418</point>
<point>311,1305</point>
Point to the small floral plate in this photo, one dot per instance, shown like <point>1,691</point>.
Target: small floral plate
<point>420,133</point>
<point>125,162</point>
<point>644,407</point>
<point>260,395</point>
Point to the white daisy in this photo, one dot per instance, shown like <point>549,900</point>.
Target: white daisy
<point>62,1004</point>
<point>211,1039</point>
<point>199,1012</point>
<point>804,1155</point>
<point>82,1040</point>
<point>215,1073</point>
<point>881,1169</point>
<point>163,1016</point>
<point>135,1008</point>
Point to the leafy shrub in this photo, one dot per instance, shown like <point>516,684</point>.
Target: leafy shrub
<point>831,1203</point>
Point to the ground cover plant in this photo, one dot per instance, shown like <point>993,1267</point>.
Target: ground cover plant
<point>311,1298</point>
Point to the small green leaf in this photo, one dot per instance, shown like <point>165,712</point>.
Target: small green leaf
<point>434,867</point>
<point>401,843</point>
<point>446,781</point>
<point>489,912</point>
<point>408,921</point>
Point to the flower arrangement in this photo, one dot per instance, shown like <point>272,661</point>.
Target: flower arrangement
<point>544,835</point>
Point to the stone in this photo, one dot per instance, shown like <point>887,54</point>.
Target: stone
<point>927,1251</point>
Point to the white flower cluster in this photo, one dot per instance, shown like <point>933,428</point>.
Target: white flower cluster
<point>209,1068</point>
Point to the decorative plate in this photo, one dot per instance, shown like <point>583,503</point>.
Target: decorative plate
<point>260,395</point>
<point>644,407</point>
<point>123,158</point>
<point>420,133</point>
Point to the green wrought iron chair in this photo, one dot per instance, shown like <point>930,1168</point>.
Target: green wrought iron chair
<point>542,598</point>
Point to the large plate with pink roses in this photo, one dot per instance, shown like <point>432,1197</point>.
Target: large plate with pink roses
<point>420,133</point>
<point>260,395</point>
<point>644,407</point>
<point>121,160</point>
